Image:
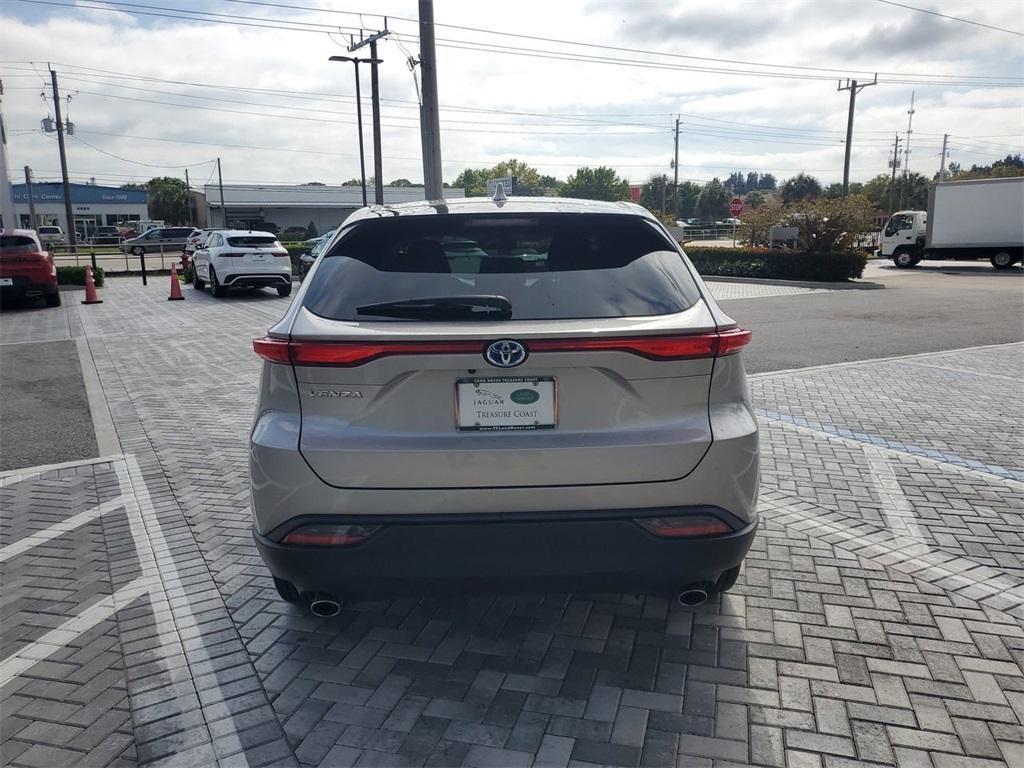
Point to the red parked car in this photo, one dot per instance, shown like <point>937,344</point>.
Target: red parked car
<point>27,270</point>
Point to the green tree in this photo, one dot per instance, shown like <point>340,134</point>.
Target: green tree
<point>311,230</point>
<point>168,199</point>
<point>686,200</point>
<point>601,183</point>
<point>800,187</point>
<point>1011,165</point>
<point>548,182</point>
<point>830,224</point>
<point>401,183</point>
<point>767,181</point>
<point>655,193</point>
<point>754,200</point>
<point>914,189</point>
<point>713,202</point>
<point>528,182</point>
<point>313,184</point>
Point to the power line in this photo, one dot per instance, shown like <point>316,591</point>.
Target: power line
<point>620,49</point>
<point>490,49</point>
<point>953,18</point>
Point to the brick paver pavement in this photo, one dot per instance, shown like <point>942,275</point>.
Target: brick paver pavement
<point>879,619</point>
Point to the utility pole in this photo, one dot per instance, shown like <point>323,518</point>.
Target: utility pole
<point>33,223</point>
<point>356,61</point>
<point>430,123</point>
<point>68,211</point>
<point>853,87</point>
<point>895,163</point>
<point>906,148</point>
<point>378,163</point>
<point>942,165</point>
<point>6,190</point>
<point>188,191</point>
<point>675,176</point>
<point>223,205</point>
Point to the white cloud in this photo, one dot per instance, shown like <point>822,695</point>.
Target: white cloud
<point>791,32</point>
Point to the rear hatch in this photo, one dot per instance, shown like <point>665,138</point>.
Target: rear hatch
<point>23,262</point>
<point>608,346</point>
<point>257,253</point>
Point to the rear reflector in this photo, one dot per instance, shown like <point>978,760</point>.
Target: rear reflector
<point>330,535</point>
<point>348,353</point>
<point>690,526</point>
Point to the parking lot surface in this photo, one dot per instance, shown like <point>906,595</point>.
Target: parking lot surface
<point>879,618</point>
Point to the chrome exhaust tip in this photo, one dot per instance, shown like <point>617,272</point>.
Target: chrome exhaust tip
<point>324,606</point>
<point>693,596</point>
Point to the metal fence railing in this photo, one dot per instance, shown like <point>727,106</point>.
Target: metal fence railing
<point>113,260</point>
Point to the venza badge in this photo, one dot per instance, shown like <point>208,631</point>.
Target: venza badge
<point>505,353</point>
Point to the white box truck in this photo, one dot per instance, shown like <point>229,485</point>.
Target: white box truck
<point>979,218</point>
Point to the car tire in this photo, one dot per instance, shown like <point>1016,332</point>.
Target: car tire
<point>727,580</point>
<point>138,250</point>
<point>905,259</point>
<point>287,591</point>
<point>53,299</point>
<point>197,282</point>
<point>216,288</point>
<point>284,290</point>
<point>1002,260</point>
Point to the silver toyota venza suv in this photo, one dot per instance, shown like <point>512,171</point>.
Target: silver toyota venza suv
<point>531,394</point>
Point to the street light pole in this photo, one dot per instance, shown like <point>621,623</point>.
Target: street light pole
<point>359,115</point>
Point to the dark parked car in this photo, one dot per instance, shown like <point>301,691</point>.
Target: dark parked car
<point>106,236</point>
<point>166,239</point>
<point>293,234</point>
<point>26,270</point>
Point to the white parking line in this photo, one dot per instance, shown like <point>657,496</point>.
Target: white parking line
<point>168,595</point>
<point>946,465</point>
<point>47,645</point>
<point>848,363</point>
<point>948,571</point>
<point>59,529</point>
<point>11,476</point>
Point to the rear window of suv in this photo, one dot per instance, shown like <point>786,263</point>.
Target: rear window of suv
<point>549,266</point>
<point>253,241</point>
<point>17,243</point>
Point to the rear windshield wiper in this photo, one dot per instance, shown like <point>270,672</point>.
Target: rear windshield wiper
<point>443,308</point>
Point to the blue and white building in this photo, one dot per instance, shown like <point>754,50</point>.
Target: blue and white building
<point>92,205</point>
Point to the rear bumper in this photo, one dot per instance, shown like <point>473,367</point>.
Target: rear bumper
<point>602,551</point>
<point>260,279</point>
<point>27,287</point>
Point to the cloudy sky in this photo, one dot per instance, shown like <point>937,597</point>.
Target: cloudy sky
<point>753,82</point>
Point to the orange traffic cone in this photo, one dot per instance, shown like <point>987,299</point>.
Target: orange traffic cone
<point>175,285</point>
<point>90,288</point>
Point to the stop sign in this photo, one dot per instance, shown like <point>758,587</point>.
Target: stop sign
<point>736,206</point>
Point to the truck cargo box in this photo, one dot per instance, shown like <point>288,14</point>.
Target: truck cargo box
<point>982,213</point>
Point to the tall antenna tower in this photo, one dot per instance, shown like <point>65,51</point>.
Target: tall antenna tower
<point>906,146</point>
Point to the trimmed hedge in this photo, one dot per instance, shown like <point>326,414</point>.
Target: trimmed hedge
<point>76,276</point>
<point>779,265</point>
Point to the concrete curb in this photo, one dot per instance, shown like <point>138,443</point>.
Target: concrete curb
<point>860,286</point>
<point>107,441</point>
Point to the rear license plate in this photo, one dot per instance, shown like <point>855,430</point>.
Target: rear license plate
<point>6,281</point>
<point>506,403</point>
<point>257,257</point>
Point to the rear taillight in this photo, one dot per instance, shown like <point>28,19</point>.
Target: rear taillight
<point>685,527</point>
<point>230,255</point>
<point>349,353</point>
<point>330,535</point>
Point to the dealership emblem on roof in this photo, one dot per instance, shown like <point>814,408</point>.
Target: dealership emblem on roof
<point>505,353</point>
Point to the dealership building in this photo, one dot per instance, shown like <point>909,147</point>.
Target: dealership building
<point>251,206</point>
<point>91,205</point>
